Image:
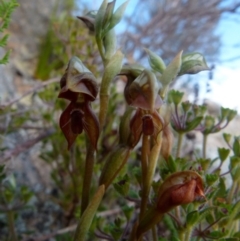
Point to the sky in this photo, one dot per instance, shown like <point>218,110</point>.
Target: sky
<point>225,86</point>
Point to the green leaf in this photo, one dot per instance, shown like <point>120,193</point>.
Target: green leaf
<point>88,215</point>
<point>122,186</point>
<point>108,13</point>
<point>172,70</point>
<point>191,125</point>
<point>3,40</point>
<point>236,146</point>
<point>155,61</point>
<point>192,218</point>
<point>99,19</point>
<point>192,64</point>
<point>116,17</point>
<point>5,58</point>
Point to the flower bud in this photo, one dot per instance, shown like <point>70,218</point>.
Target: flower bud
<point>78,80</point>
<point>179,188</point>
<point>142,92</point>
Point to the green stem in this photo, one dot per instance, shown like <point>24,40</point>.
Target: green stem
<point>152,163</point>
<point>188,234</point>
<point>231,193</point>
<point>100,48</point>
<point>11,226</point>
<point>87,179</point>
<point>204,145</point>
<point>150,219</point>
<point>144,164</point>
<point>179,144</point>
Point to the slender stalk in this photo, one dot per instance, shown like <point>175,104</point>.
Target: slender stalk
<point>144,164</point>
<point>231,193</point>
<point>204,145</point>
<point>153,158</point>
<point>87,179</point>
<point>11,226</point>
<point>154,234</point>
<point>188,234</point>
<point>179,144</point>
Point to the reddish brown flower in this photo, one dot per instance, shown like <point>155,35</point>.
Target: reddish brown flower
<point>76,118</point>
<point>80,87</point>
<point>145,123</point>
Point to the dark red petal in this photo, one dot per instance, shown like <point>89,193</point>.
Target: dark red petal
<point>91,124</point>
<point>65,124</point>
<point>136,126</point>
<point>147,125</point>
<point>68,94</point>
<point>76,121</point>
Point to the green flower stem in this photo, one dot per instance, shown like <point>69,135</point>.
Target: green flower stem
<point>179,144</point>
<point>231,193</point>
<point>144,164</point>
<point>88,215</point>
<point>150,219</point>
<point>11,226</point>
<point>87,179</point>
<point>100,49</point>
<point>205,136</point>
<point>153,158</point>
<point>188,234</point>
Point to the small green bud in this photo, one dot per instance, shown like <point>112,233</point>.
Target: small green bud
<point>224,113</point>
<point>156,62</point>
<point>211,179</point>
<point>186,105</point>
<point>204,163</point>
<point>227,137</point>
<point>175,97</point>
<point>223,153</point>
<point>209,123</point>
<point>128,211</point>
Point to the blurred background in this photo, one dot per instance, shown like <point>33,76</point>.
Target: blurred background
<point>45,34</point>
